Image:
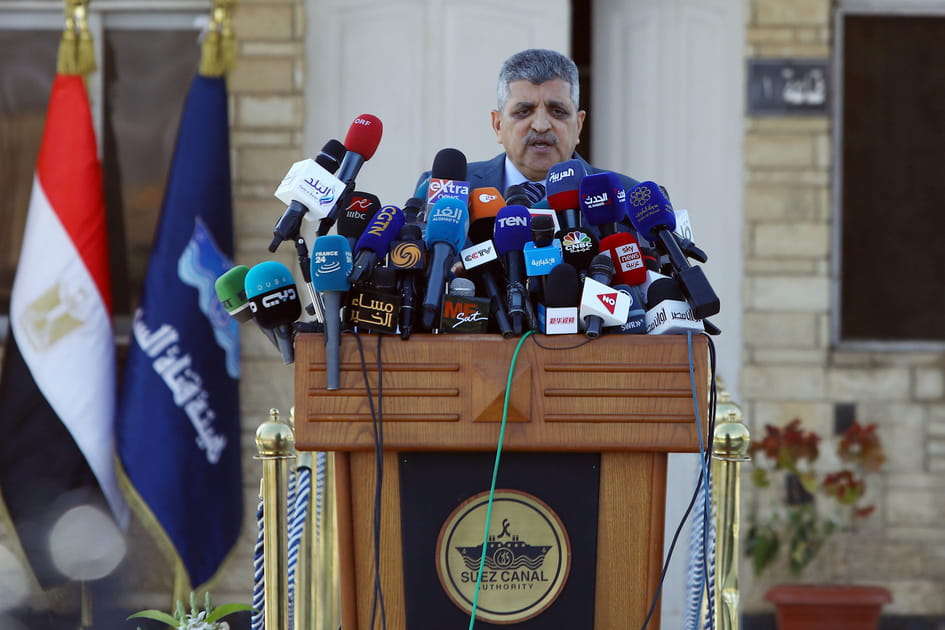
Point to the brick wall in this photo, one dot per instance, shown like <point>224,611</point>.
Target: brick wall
<point>790,368</point>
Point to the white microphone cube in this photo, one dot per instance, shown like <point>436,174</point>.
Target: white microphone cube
<point>312,186</point>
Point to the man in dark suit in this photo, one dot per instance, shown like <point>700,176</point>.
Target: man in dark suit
<point>537,122</point>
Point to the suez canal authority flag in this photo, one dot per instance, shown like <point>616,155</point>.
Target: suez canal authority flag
<point>57,391</point>
<point>177,427</point>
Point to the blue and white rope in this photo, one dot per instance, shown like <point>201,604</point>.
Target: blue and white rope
<point>321,471</point>
<point>299,512</point>
<point>258,619</point>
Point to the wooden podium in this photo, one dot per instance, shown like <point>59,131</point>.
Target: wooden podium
<point>626,398</point>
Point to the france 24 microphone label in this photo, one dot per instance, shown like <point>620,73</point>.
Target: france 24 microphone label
<point>312,186</point>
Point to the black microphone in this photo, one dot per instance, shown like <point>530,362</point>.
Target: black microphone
<point>667,311</point>
<point>636,317</point>
<point>274,301</point>
<point>463,312</point>
<point>447,178</point>
<point>376,307</point>
<point>408,255</point>
<point>355,218</point>
<point>515,196</point>
<point>578,248</point>
<point>559,312</point>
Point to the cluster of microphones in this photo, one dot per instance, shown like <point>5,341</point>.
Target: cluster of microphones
<point>591,258</point>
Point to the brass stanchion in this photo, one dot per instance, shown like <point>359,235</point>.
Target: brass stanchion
<point>276,445</point>
<point>326,592</point>
<point>729,449</point>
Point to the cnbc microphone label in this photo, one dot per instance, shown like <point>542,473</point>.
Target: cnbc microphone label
<point>525,560</point>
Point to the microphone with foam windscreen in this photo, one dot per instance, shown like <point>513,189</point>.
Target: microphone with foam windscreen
<point>558,314</point>
<point>231,291</point>
<point>562,186</point>
<point>375,242</point>
<point>463,312</point>
<point>361,141</point>
<point>274,301</point>
<point>331,264</point>
<point>310,190</point>
<point>511,233</point>
<point>668,312</point>
<point>484,204</point>
<point>352,222</point>
<point>448,177</point>
<point>601,304</point>
<point>515,196</point>
<point>652,216</point>
<point>408,255</point>
<point>447,225</point>
<point>628,259</point>
<point>603,201</point>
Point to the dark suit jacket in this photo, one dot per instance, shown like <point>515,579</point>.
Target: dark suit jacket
<point>492,173</point>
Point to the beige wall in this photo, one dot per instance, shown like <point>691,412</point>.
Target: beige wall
<point>790,368</point>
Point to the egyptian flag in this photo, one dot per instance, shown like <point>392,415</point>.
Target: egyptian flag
<point>57,388</point>
<point>178,427</point>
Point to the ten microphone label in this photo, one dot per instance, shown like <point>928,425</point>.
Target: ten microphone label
<point>525,559</point>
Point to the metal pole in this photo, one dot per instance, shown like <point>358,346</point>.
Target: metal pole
<point>729,449</point>
<point>276,445</point>
<point>326,591</point>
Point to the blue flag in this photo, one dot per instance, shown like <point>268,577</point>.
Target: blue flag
<point>177,427</point>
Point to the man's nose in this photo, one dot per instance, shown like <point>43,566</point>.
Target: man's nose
<point>541,122</point>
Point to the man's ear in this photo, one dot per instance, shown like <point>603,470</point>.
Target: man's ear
<point>580,123</point>
<point>497,124</point>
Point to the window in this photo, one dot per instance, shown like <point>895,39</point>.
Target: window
<point>889,177</point>
<point>146,60</point>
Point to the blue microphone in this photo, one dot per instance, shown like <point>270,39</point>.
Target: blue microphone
<point>652,216</point>
<point>561,187</point>
<point>447,226</point>
<point>603,201</point>
<point>274,301</point>
<point>331,265</point>
<point>374,242</point>
<point>512,232</point>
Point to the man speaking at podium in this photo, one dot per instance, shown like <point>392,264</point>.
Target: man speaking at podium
<point>538,122</point>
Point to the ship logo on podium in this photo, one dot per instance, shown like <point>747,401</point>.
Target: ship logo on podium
<point>526,560</point>
<point>510,553</point>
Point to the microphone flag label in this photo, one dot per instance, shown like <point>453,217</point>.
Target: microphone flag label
<point>374,310</point>
<point>447,188</point>
<point>610,305</point>
<point>464,314</point>
<point>178,421</point>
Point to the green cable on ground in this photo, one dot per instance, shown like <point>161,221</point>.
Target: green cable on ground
<point>495,474</point>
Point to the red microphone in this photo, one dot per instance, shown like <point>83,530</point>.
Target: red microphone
<point>625,252</point>
<point>361,142</point>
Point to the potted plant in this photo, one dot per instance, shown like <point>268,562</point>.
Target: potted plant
<point>813,508</point>
<point>209,618</point>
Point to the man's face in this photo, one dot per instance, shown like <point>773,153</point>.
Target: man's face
<point>539,127</point>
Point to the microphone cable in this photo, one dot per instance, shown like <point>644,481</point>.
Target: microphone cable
<point>377,426</point>
<point>495,474</point>
<point>702,485</point>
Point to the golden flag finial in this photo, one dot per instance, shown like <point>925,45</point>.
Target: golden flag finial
<point>218,51</point>
<point>76,53</point>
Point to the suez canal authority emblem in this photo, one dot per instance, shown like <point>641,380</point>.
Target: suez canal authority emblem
<point>527,560</point>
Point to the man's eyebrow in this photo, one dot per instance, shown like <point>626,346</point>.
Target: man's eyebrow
<point>561,104</point>
<point>523,104</point>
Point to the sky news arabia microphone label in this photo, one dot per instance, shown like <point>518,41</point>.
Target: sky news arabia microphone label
<point>527,556</point>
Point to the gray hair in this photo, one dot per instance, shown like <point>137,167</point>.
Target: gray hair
<point>537,65</point>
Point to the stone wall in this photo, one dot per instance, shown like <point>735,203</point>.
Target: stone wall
<point>791,368</point>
